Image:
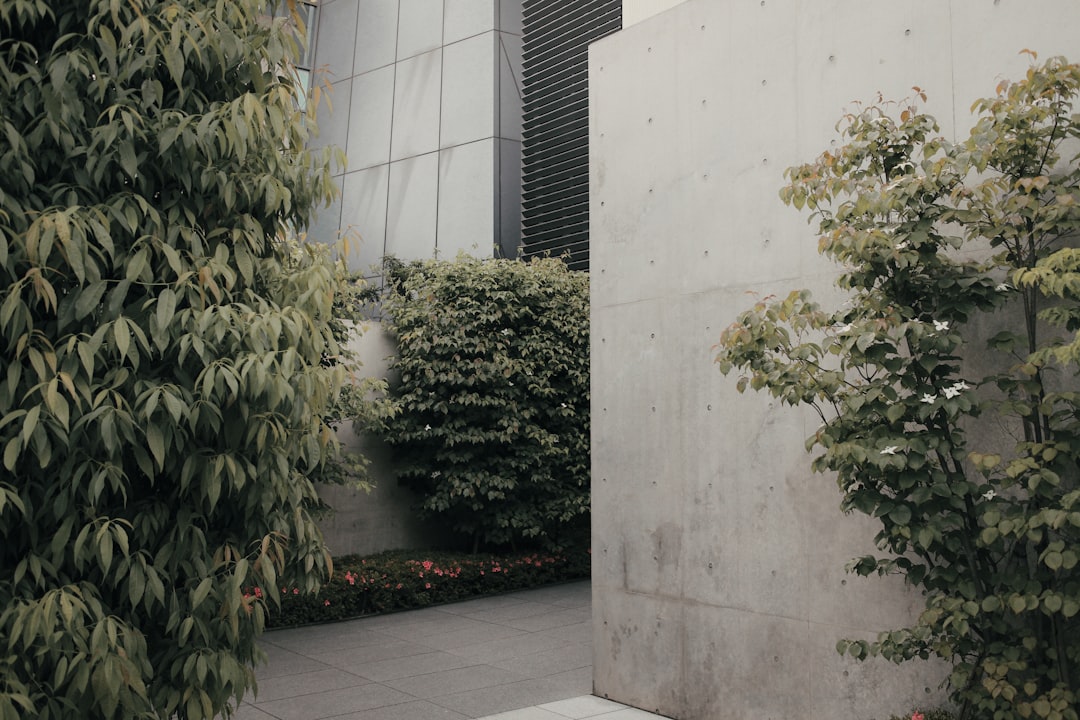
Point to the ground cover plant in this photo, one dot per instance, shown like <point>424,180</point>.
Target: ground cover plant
<point>407,579</point>
<point>164,380</point>
<point>490,418</point>
<point>966,456</point>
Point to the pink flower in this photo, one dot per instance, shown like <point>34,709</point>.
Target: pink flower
<point>326,603</point>
<point>917,716</point>
<point>258,592</point>
<point>296,591</point>
<point>427,586</point>
<point>427,564</point>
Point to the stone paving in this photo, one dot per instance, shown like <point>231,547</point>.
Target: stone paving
<point>522,656</point>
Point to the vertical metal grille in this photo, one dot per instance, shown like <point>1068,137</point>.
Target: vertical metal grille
<point>555,132</point>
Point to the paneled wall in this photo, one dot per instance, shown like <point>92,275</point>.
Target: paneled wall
<point>426,103</point>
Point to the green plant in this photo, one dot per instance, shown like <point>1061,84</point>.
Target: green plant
<point>935,714</point>
<point>360,401</point>
<point>164,378</point>
<point>932,236</point>
<point>491,415</point>
<point>406,579</point>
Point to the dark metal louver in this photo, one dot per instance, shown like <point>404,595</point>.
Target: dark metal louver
<point>555,127</point>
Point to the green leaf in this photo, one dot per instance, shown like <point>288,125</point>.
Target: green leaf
<point>128,162</point>
<point>155,440</point>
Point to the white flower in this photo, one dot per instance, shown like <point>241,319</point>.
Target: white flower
<point>562,404</point>
<point>1004,287</point>
<point>989,494</point>
<point>928,398</point>
<point>506,331</point>
<point>939,325</point>
<point>427,428</point>
<point>843,328</point>
<point>891,450</point>
<point>511,383</point>
<point>902,245</point>
<point>436,474</point>
<point>954,390</point>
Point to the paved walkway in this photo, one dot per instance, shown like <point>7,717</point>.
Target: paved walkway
<point>522,656</point>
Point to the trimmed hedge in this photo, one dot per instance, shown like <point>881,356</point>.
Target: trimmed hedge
<point>406,580</point>
<point>489,422</point>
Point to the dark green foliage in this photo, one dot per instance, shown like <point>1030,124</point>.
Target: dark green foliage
<point>973,474</point>
<point>935,714</point>
<point>406,579</point>
<point>162,380</point>
<point>491,415</point>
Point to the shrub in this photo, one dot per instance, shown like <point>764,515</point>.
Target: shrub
<point>397,580</point>
<point>491,416</point>
<point>931,236</point>
<point>163,379</point>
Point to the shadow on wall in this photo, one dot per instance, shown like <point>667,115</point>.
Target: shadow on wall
<point>364,523</point>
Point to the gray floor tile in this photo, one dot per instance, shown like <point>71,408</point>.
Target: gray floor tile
<point>305,684</point>
<point>365,654</point>
<point>489,701</point>
<point>416,710</point>
<point>530,713</point>
<point>518,610</point>
<point>449,682</point>
<point>548,662</point>
<point>579,632</point>
<point>586,706</point>
<point>575,594</point>
<point>483,605</point>
<point>411,666</point>
<point>250,712</point>
<point>335,702</point>
<point>631,714</point>
<point>572,616</point>
<point>514,646</point>
<point>422,629</point>
<point>285,662</point>
<point>324,638</point>
<point>469,660</point>
<point>470,636</point>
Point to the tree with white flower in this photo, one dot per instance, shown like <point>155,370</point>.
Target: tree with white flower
<point>932,234</point>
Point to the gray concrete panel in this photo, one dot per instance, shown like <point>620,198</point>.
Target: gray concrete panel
<point>336,37</point>
<point>465,18</point>
<point>719,589</point>
<point>420,27</point>
<point>466,199</point>
<point>468,91</point>
<point>371,116</point>
<point>376,35</point>
<point>416,105</point>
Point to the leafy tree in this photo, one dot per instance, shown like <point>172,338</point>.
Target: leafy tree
<point>972,473</point>
<point>490,420</point>
<point>163,379</point>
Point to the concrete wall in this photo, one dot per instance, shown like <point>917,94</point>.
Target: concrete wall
<point>425,100</point>
<point>718,580</point>
<point>384,518</point>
